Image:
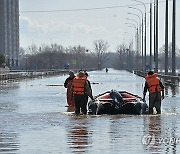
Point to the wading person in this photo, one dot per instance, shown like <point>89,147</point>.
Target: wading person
<point>156,92</point>
<point>68,85</point>
<point>86,75</point>
<point>81,90</point>
<point>107,70</point>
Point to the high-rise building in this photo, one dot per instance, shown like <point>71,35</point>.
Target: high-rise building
<point>9,31</point>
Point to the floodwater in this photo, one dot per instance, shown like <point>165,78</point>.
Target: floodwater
<point>34,119</point>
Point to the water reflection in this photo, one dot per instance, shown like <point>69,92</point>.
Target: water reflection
<point>78,135</point>
<point>173,89</point>
<point>155,132</point>
<point>166,90</point>
<point>171,140</point>
<point>160,137</point>
<point>8,142</point>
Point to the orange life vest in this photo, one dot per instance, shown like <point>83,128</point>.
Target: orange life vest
<point>153,83</point>
<point>70,101</point>
<point>78,85</point>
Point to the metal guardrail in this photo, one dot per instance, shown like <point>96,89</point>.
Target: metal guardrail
<point>12,76</point>
<point>17,75</point>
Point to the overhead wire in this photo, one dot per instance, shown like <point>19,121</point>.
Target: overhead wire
<point>85,9</point>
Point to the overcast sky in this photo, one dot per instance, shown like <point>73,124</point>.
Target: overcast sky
<point>82,27</point>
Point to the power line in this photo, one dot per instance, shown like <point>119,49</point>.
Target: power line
<point>84,9</point>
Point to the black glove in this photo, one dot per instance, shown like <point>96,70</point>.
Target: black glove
<point>144,98</point>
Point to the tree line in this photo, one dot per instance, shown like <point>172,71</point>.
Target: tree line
<point>55,56</point>
<point>129,59</point>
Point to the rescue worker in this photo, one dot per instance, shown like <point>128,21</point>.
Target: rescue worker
<point>80,91</point>
<point>68,85</point>
<point>156,92</point>
<point>86,75</point>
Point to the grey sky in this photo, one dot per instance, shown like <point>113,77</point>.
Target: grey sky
<point>83,27</point>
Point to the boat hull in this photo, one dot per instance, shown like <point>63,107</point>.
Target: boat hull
<point>110,103</point>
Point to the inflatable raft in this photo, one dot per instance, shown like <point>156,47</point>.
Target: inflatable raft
<point>117,102</point>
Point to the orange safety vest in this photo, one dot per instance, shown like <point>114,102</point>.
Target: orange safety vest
<point>70,101</point>
<point>78,85</point>
<point>153,83</point>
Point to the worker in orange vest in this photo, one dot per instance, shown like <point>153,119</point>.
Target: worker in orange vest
<point>156,92</point>
<point>80,91</point>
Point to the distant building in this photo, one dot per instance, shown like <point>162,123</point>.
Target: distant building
<point>9,31</point>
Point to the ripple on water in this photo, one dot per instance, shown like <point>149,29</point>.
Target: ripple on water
<point>9,142</point>
<point>34,119</point>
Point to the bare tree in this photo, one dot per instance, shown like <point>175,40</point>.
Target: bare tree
<point>121,61</point>
<point>100,51</point>
<point>32,49</point>
<point>56,56</point>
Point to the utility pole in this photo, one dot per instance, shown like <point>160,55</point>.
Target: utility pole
<point>156,52</point>
<point>142,48</point>
<point>154,32</point>
<point>150,43</point>
<point>174,39</point>
<point>145,40</point>
<point>166,39</point>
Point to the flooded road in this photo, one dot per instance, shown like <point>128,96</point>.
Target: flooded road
<point>34,119</point>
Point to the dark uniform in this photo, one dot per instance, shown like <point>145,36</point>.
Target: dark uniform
<point>155,87</point>
<point>89,83</point>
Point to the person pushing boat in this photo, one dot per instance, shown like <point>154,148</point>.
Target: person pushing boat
<point>156,91</point>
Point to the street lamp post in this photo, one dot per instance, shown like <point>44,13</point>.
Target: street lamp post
<point>142,37</point>
<point>133,21</point>
<point>131,42</point>
<point>138,37</point>
<point>156,51</point>
<point>137,40</point>
<point>139,33</point>
<point>174,38</point>
<point>132,25</point>
<point>128,49</point>
<point>144,33</point>
<point>150,31</point>
<point>129,34</point>
<point>154,31</point>
<point>166,39</point>
<point>26,63</point>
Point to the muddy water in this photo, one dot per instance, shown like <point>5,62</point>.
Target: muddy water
<point>34,119</point>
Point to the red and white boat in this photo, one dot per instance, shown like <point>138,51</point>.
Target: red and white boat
<point>117,102</point>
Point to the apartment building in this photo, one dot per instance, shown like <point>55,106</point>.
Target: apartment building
<point>9,31</point>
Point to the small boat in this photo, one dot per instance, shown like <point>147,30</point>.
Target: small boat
<point>117,102</point>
